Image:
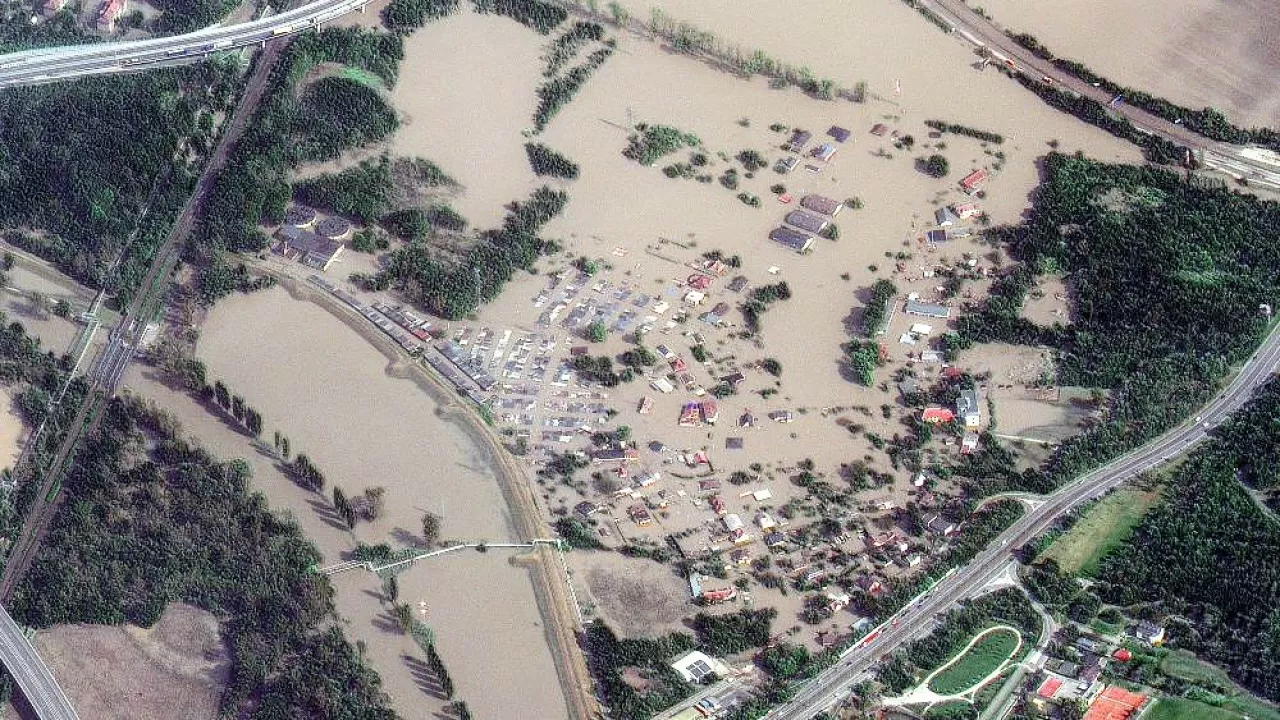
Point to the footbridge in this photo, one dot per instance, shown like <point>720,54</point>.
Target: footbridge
<point>396,563</point>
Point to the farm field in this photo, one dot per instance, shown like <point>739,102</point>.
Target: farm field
<point>963,673</point>
<point>1100,531</point>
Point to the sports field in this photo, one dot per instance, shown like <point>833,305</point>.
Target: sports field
<point>965,672</point>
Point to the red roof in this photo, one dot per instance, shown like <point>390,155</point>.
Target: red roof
<point>1123,655</point>
<point>1115,703</point>
<point>699,282</point>
<point>1049,687</point>
<point>937,415</point>
<point>974,179</point>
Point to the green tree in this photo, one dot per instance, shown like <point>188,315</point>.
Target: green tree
<point>935,166</point>
<point>62,309</point>
<point>597,332</point>
<point>430,528</point>
<point>222,395</point>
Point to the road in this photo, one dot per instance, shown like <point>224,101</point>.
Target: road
<point>35,681</point>
<point>43,65</point>
<point>982,32</point>
<point>968,582</point>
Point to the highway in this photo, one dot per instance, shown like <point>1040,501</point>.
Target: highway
<point>43,65</point>
<point>29,672</point>
<point>971,580</point>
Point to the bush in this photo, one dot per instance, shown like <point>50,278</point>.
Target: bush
<point>656,141</point>
<point>934,166</point>
<point>546,161</point>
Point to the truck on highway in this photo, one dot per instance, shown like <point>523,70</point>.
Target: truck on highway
<point>220,45</point>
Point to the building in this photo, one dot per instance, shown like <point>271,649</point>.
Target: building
<point>1115,703</point>
<point>936,415</point>
<point>782,416</point>
<point>741,556</point>
<point>967,408</point>
<point>734,379</point>
<point>838,133</point>
<point>640,515</point>
<point>586,508</point>
<point>695,666</point>
<point>792,238</point>
<point>924,309</point>
<point>695,297</point>
<point>964,211</point>
<point>871,586</point>
<point>775,540</point>
<point>786,164</point>
<point>719,595</point>
<point>738,284</point>
<point>973,181</point>
<point>732,522</point>
<point>935,237</point>
<point>969,443</point>
<point>308,248</point>
<point>805,221</point>
<point>765,521</point>
<point>824,152</point>
<point>799,139</point>
<point>690,415</point>
<point>334,228</point>
<point>615,455</point>
<point>108,13</point>
<point>938,525</point>
<point>944,217</point>
<point>1149,633</point>
<point>710,411</point>
<point>821,204</point>
<point>300,216</point>
<point>879,129</point>
<point>646,405</point>
<point>699,281</point>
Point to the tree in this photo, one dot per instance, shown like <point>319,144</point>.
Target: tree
<point>237,407</point>
<point>7,262</point>
<point>391,588</point>
<point>253,421</point>
<point>340,502</point>
<point>276,440</point>
<point>771,366</point>
<point>374,502</point>
<point>934,166</point>
<point>39,303</point>
<point>597,332</point>
<point>284,447</point>
<point>430,528</point>
<point>223,396</point>
<point>62,309</point>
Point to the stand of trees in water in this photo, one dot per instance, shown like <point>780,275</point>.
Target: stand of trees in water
<point>1168,283</point>
<point>99,166</point>
<point>1207,558</point>
<point>151,519</point>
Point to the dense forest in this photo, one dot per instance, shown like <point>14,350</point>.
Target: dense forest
<point>181,16</point>
<point>1208,556</point>
<point>92,165</point>
<point>1166,281</point>
<point>151,519</point>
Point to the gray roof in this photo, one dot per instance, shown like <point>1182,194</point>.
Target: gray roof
<point>967,402</point>
<point>805,221</point>
<point>944,216</point>
<point>308,243</point>
<point>792,238</point>
<point>821,204</point>
<point>915,307</point>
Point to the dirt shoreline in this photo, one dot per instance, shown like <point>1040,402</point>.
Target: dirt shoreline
<point>548,584</point>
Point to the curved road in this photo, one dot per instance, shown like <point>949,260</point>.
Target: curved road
<point>42,65</point>
<point>971,580</point>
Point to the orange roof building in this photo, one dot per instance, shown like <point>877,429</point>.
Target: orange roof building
<point>973,180</point>
<point>937,415</point>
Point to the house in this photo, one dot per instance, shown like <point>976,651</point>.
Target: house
<point>908,387</point>
<point>690,415</point>
<point>775,540</point>
<point>837,600</point>
<point>799,139</point>
<point>710,411</point>
<point>786,164</point>
<point>665,352</point>
<point>741,556</point>
<point>307,247</point>
<point>662,385</point>
<point>696,667</point>
<point>964,211</point>
<point>698,281</point>
<point>738,284</point>
<point>871,586</point>
<point>821,204</point>
<point>734,443</point>
<point>1149,633</point>
<point>935,237</point>
<point>803,220</point>
<point>108,13</point>
<point>939,525</point>
<point>838,133</point>
<point>814,576</point>
<point>879,129</point>
<point>765,521</point>
<point>695,297</point>
<point>748,419</point>
<point>909,561</point>
<point>717,504</point>
<point>732,522</point>
<point>792,238</point>
<point>1122,655</point>
<point>973,181</point>
<point>782,416</point>
<point>614,455</point>
<point>586,508</point>
<point>931,356</point>
<point>640,515</point>
<point>677,364</point>
<point>921,329</point>
<point>924,309</point>
<point>646,405</point>
<point>647,479</point>
<point>937,415</point>
<point>734,379</point>
<point>824,152</point>
<point>711,597</point>
<point>969,443</point>
<point>944,217</point>
<point>967,408</point>
<point>1089,645</point>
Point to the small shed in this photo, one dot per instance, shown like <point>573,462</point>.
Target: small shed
<point>838,133</point>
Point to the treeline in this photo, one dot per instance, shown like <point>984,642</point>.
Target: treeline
<point>759,301</point>
<point>68,175</point>
<point>146,528</point>
<point>1208,122</point>
<point>546,161</point>
<point>560,88</point>
<point>652,142</point>
<point>877,310</point>
<point>908,666</point>
<point>402,17</point>
<point>1209,556</point>
<point>983,135</point>
<point>254,186</point>
<point>455,290</point>
<point>569,44</point>
<point>722,635</point>
<point>537,15</point>
<point>1166,280</point>
<point>382,190</point>
<point>183,16</point>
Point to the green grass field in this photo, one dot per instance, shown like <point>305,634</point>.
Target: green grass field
<point>1101,530</point>
<point>1253,708</point>
<point>1187,666</point>
<point>362,76</point>
<point>1183,709</point>
<point>966,671</point>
